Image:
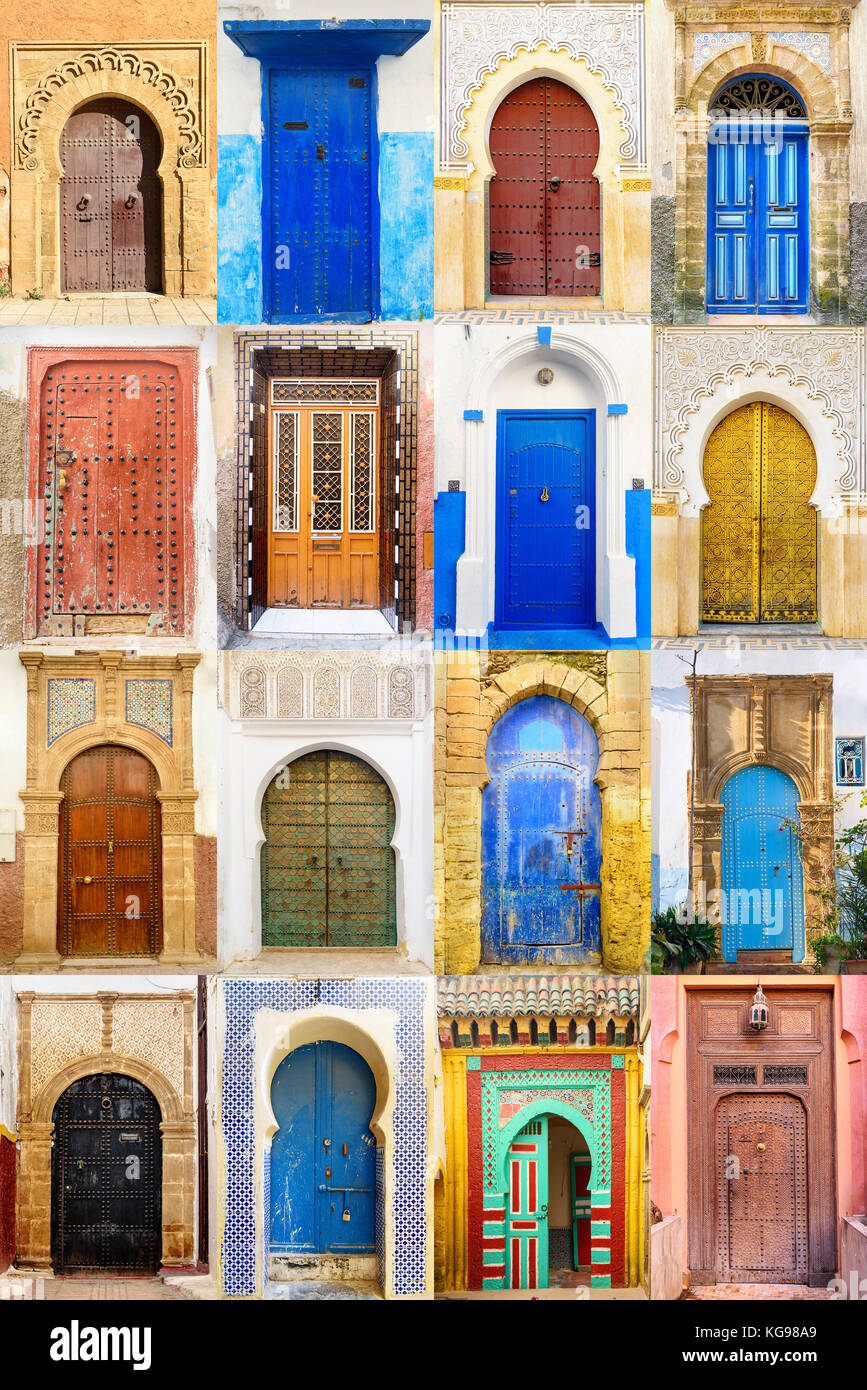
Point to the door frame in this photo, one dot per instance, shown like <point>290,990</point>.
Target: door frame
<point>277,64</point>
<point>502,502</point>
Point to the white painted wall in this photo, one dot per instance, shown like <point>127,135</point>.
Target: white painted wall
<point>251,755</point>
<point>9,1053</point>
<point>660,62</point>
<point>670,713</point>
<point>405,85</point>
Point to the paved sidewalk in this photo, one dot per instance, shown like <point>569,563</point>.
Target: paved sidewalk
<point>137,311</point>
<point>759,1293</point>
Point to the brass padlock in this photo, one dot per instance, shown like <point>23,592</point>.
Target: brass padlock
<point>346,1215</point>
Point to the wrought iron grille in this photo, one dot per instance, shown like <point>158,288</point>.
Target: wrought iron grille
<point>346,392</point>
<point>734,1076</point>
<point>362,467</point>
<point>327,473</point>
<point>785,1076</point>
<point>758,94</point>
<point>286,473</point>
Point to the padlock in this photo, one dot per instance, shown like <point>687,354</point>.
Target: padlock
<point>346,1215</point>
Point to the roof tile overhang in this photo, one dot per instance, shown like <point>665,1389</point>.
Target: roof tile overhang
<point>325,40</point>
<point>545,996</point>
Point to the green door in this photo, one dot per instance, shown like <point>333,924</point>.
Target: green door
<point>327,862</point>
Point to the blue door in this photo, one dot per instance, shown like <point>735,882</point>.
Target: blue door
<point>321,194</point>
<point>323,1156</point>
<point>763,907</point>
<point>546,538</point>
<point>541,837</point>
<point>758,218</point>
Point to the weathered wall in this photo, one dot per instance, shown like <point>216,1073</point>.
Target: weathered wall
<point>8,1120</point>
<point>666,1243</point>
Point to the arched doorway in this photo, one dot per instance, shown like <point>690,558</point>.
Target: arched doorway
<point>110,199</point>
<point>758,205</point>
<point>328,869</point>
<point>761,1147</point>
<point>548,1169</point>
<point>759,546</point>
<point>109,899</point>
<point>106,1178</point>
<point>544,203</point>
<point>323,1156</point>
<point>541,836</point>
<point>761,872</point>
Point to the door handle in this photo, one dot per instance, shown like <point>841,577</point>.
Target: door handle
<point>323,1187</point>
<point>751,197</point>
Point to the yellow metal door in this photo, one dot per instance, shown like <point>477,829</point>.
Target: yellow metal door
<point>759,530</point>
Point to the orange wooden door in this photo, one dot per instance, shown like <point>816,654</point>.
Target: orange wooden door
<point>323,546</point>
<point>109,873</point>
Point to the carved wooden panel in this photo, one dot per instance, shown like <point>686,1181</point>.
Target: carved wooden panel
<point>761,1144</point>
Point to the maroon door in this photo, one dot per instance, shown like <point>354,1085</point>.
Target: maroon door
<point>110,201</point>
<point>545,236</point>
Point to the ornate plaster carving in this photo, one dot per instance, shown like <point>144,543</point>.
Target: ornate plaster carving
<point>297,685</point>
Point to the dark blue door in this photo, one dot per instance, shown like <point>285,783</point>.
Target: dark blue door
<point>762,882</point>
<point>541,836</point>
<point>320,262</point>
<point>758,219</point>
<point>546,538</point>
<point>323,1156</point>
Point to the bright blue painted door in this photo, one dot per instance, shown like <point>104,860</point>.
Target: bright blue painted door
<point>541,836</point>
<point>763,907</point>
<point>546,538</point>
<point>758,219</point>
<point>319,263</point>
<point>323,1156</point>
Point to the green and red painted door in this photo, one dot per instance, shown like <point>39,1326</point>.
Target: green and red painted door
<point>579,1188</point>
<point>527,1208</point>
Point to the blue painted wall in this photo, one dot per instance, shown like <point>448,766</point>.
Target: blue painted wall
<point>450,525</point>
<point>239,229</point>
<point>638,546</point>
<point>406,210</point>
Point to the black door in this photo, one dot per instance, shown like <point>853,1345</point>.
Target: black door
<point>106,1176</point>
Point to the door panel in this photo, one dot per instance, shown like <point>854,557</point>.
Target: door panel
<point>580,1168</point>
<point>545,229</point>
<point>761,869</point>
<point>541,836</point>
<point>328,871</point>
<point>114,472</point>
<point>762,1203</point>
<point>109,871</point>
<point>759,534</point>
<point>321,199</point>
<point>546,546</point>
<point>527,1218</point>
<point>323,1156</point>
<point>110,200</point>
<point>106,1178</point>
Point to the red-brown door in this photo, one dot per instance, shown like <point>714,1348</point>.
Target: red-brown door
<point>545,230</point>
<point>110,203</point>
<point>112,450</point>
<point>109,870</point>
<point>762,1203</point>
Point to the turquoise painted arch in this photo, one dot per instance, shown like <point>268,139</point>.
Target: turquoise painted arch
<point>546,1106</point>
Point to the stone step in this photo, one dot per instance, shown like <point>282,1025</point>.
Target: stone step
<point>723,967</point>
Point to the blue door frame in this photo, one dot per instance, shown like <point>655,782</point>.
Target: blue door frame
<point>758,217</point>
<point>323,1156</point>
<point>762,876</point>
<point>546,547</point>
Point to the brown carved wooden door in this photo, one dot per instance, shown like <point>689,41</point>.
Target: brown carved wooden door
<point>762,1211</point>
<point>110,199</point>
<point>110,864</point>
<point>112,447</point>
<point>545,224</point>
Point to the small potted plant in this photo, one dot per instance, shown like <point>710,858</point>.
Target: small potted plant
<point>680,944</point>
<point>829,951</point>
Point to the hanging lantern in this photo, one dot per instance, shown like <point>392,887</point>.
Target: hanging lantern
<point>759,1012</point>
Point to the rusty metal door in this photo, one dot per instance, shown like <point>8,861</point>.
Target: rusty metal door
<point>328,873</point>
<point>545,224</point>
<point>110,199</point>
<point>762,1201</point>
<point>106,1178</point>
<point>112,443</point>
<point>109,896</point>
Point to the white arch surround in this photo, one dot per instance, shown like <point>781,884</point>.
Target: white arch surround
<point>476,569</point>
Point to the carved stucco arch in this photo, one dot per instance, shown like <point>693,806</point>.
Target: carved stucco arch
<point>812,85</point>
<point>163,1091</point>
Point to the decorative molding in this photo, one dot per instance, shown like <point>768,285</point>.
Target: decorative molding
<point>298,685</point>
<point>635,186</point>
<point>475,38</point>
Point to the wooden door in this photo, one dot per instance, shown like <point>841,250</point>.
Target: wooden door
<point>328,873</point>
<point>106,1178</point>
<point>324,545</point>
<point>323,1156</point>
<point>580,1168</point>
<point>109,872</point>
<point>762,1207</point>
<point>545,227</point>
<point>761,871</point>
<point>527,1216</point>
<point>759,545</point>
<point>110,199</point>
<point>114,444</point>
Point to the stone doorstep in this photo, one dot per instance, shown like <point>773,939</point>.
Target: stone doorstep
<point>754,1292</point>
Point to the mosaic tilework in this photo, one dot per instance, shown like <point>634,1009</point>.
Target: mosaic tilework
<point>534,316</point>
<point>710,45</point>
<point>244,998</point>
<point>816,47</point>
<point>71,703</point>
<point>149,706</point>
<point>770,643</point>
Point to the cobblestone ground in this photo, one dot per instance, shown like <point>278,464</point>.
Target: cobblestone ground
<point>111,1290</point>
<point>755,1292</point>
<point>138,310</point>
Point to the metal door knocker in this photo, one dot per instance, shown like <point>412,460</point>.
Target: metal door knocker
<point>83,202</point>
<point>130,202</point>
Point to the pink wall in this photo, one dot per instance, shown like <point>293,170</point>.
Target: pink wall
<point>851,1014</point>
